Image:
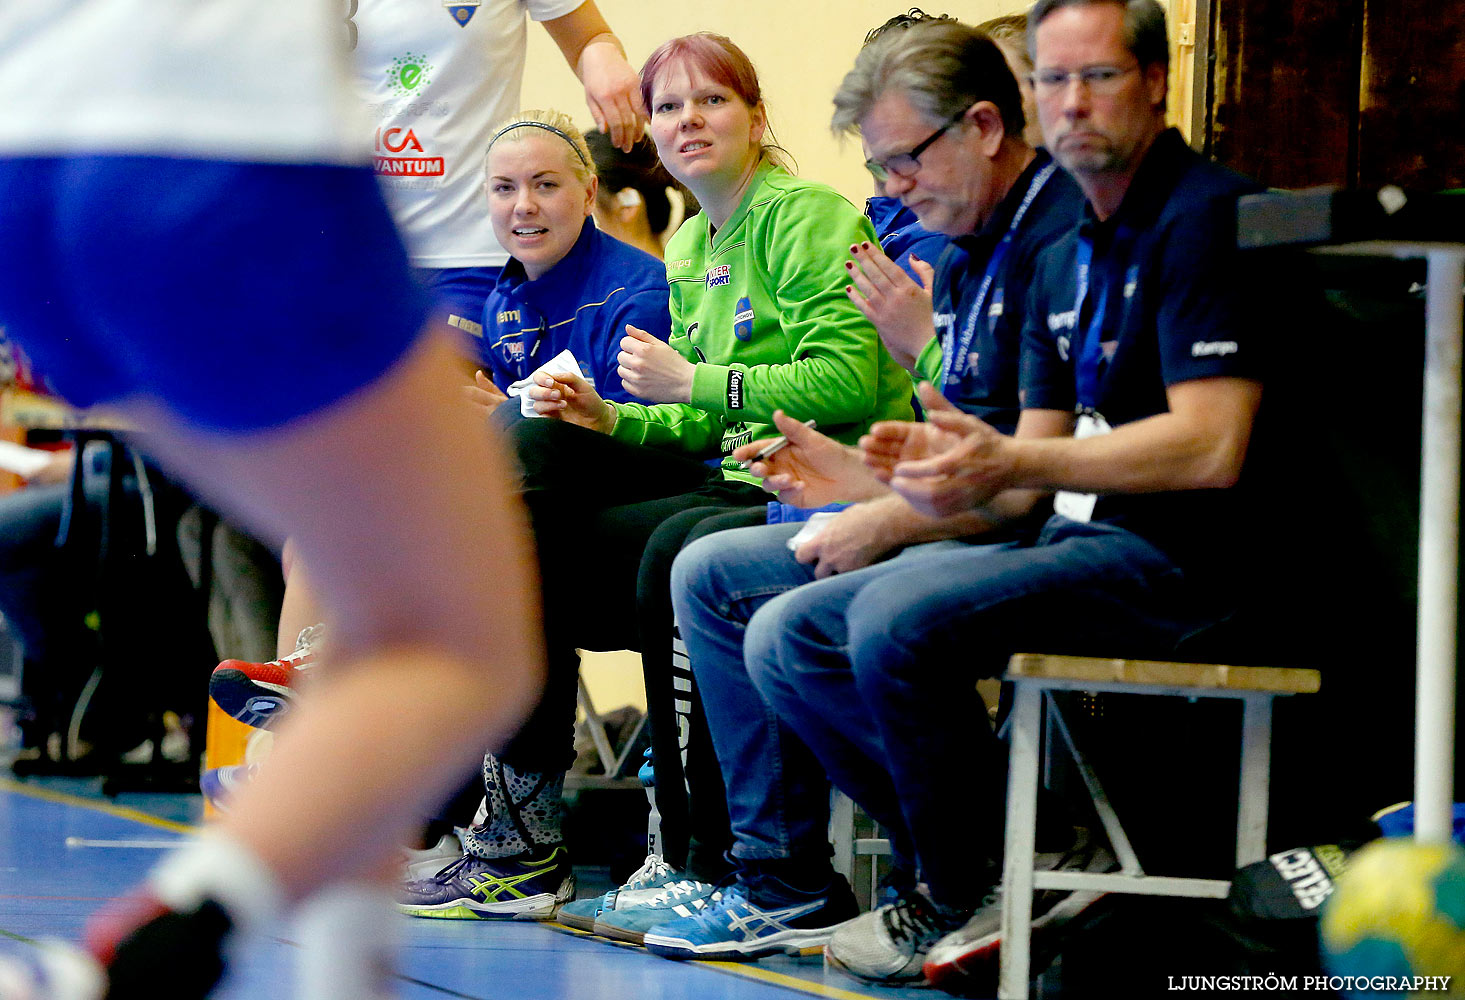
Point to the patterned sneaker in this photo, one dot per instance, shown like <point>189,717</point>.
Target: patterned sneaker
<point>680,899</point>
<point>260,694</point>
<point>889,945</point>
<point>219,784</point>
<point>428,861</point>
<point>734,928</point>
<point>649,880</point>
<point>966,959</point>
<point>474,888</point>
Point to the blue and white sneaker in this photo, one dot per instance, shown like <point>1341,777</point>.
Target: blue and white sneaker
<point>680,899</point>
<point>734,928</point>
<point>649,880</point>
<point>473,888</point>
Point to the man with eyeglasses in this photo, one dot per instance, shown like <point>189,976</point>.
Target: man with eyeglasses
<point>940,116</point>
<point>1139,386</point>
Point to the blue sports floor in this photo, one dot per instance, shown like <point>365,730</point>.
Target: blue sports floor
<point>64,851</point>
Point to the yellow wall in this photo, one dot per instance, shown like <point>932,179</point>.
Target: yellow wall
<point>802,49</point>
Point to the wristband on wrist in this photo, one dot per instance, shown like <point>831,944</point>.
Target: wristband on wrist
<point>220,868</point>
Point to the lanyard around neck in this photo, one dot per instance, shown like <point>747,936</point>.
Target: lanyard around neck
<point>954,351</point>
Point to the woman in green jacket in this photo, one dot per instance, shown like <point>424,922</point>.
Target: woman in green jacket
<point>760,321</point>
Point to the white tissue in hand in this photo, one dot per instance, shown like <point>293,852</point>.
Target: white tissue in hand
<point>563,363</point>
<point>812,527</point>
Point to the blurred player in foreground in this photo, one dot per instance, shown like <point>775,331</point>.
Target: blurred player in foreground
<point>193,234</point>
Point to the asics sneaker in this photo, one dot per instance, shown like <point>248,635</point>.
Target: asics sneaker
<point>966,959</point>
<point>782,921</point>
<point>679,899</point>
<point>472,888</point>
<point>260,694</point>
<point>650,879</point>
<point>219,784</point>
<point>889,945</point>
<point>428,861</point>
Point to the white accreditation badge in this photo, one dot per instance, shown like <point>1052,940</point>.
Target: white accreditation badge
<point>1080,506</point>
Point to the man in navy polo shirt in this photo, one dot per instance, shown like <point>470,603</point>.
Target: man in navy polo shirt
<point>1139,390</point>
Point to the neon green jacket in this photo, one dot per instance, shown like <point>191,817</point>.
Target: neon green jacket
<point>760,308</point>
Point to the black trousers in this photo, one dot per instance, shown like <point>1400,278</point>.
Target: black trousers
<point>695,830</point>
<point>595,504</point>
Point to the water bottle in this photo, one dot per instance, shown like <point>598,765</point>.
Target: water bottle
<point>647,774</point>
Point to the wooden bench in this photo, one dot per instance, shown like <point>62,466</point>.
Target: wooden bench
<point>1038,679</point>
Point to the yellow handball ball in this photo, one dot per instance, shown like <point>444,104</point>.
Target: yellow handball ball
<point>1398,911</point>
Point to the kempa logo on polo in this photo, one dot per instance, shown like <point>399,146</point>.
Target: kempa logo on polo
<point>1063,321</point>
<point>408,74</point>
<point>1213,348</point>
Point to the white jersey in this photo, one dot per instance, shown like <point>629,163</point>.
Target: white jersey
<point>436,76</point>
<point>250,80</point>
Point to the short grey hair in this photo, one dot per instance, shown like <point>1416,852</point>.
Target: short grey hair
<point>1144,27</point>
<point>942,67</point>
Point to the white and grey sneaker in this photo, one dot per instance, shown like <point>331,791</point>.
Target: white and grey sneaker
<point>889,945</point>
<point>428,861</point>
<point>967,957</point>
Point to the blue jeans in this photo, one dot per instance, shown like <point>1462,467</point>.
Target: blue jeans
<point>777,791</point>
<point>876,672</point>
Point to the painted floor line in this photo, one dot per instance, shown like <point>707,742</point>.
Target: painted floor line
<point>744,970</point>
<point>121,812</point>
<point>150,845</point>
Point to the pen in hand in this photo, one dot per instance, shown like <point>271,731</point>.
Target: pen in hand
<point>771,448</point>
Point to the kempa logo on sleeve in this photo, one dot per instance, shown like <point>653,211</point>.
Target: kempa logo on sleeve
<point>1213,348</point>
<point>734,389</point>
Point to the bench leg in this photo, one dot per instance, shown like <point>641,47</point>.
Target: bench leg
<point>1256,764</point>
<point>1017,865</point>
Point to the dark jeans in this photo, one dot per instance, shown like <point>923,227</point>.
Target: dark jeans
<point>595,504</point>
<point>875,671</point>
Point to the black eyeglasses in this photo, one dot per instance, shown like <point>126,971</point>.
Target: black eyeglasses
<point>906,164</point>
<point>1103,80</point>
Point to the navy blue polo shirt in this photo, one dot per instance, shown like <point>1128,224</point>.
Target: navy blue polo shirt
<point>583,303</point>
<point>986,379</point>
<point>1181,304</point>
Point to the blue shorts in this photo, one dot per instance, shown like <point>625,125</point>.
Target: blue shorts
<point>239,295</point>
<point>458,295</point>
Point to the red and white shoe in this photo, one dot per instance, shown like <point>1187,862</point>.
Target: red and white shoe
<point>260,694</point>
